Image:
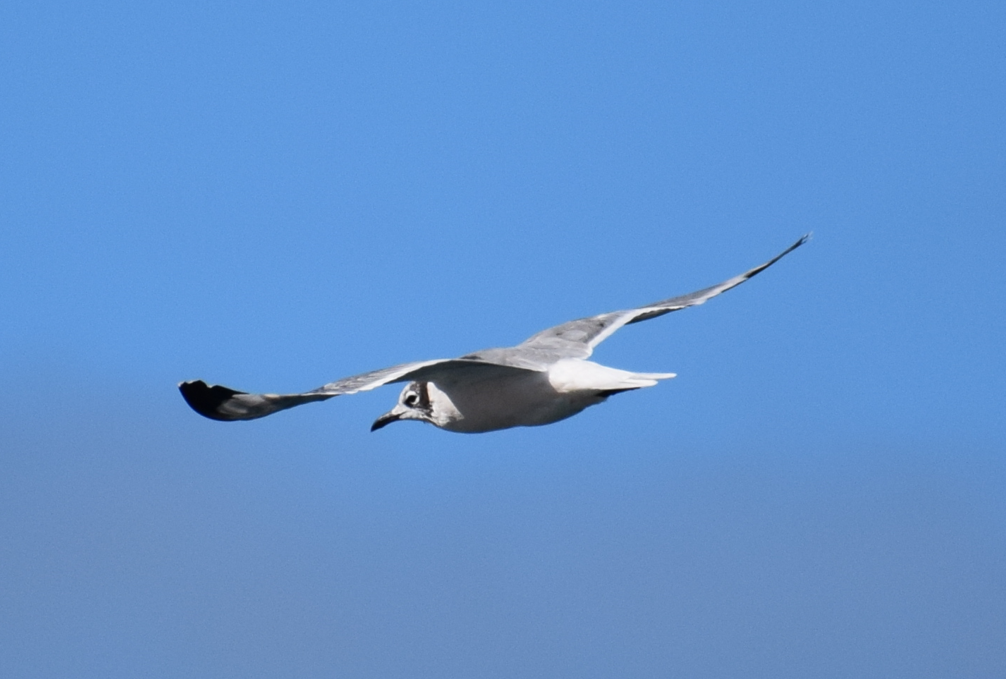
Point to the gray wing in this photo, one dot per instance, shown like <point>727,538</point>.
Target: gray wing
<point>577,339</point>
<point>223,403</point>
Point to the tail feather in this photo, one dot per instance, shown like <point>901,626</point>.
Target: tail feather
<point>577,375</point>
<point>654,376</point>
<point>639,380</point>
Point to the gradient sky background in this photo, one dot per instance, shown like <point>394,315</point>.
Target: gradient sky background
<point>274,195</point>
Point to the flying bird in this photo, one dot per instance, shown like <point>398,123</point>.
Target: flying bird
<point>542,380</point>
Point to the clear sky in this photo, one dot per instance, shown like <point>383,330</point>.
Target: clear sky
<point>275,195</point>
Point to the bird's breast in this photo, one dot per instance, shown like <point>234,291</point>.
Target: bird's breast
<point>513,401</point>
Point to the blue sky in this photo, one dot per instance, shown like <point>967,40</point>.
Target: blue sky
<point>272,196</point>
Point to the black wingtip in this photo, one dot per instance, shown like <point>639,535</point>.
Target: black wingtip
<point>803,239</point>
<point>205,399</point>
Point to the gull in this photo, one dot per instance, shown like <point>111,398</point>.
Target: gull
<point>542,380</point>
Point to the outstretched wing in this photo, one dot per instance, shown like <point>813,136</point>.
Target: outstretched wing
<point>577,339</point>
<point>222,403</point>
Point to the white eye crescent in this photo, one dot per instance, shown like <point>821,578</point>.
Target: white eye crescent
<point>411,399</point>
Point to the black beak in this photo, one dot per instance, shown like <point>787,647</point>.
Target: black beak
<point>384,420</point>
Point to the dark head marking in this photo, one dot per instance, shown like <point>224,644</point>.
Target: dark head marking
<point>417,396</point>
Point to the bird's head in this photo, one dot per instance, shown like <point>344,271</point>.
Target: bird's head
<point>413,404</point>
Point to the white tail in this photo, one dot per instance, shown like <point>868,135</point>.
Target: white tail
<point>574,374</point>
<point>649,379</point>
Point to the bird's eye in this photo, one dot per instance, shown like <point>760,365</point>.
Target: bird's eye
<point>411,399</point>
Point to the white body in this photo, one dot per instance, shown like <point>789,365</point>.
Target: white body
<point>528,399</point>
